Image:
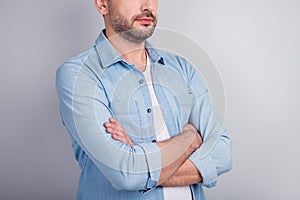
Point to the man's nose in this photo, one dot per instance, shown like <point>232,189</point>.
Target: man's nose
<point>148,5</point>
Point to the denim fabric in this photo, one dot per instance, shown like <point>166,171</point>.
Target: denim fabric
<point>99,84</point>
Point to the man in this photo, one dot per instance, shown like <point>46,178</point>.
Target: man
<point>135,114</point>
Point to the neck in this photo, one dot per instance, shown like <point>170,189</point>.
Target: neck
<point>134,53</point>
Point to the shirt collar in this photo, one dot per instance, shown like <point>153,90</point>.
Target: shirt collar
<point>109,56</point>
<point>154,54</point>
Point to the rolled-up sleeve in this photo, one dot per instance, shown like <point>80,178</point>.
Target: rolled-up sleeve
<point>207,169</point>
<point>84,108</point>
<point>153,167</point>
<point>213,158</point>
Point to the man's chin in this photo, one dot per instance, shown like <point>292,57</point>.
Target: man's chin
<point>138,35</point>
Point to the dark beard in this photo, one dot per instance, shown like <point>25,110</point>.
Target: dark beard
<point>137,35</point>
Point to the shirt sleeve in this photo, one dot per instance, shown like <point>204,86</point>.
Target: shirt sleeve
<point>213,158</point>
<point>84,108</point>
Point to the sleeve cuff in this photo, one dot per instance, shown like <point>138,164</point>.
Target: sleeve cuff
<point>207,169</point>
<point>153,159</point>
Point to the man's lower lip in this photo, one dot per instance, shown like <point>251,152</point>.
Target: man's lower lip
<point>144,21</point>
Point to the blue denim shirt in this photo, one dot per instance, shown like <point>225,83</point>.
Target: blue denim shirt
<point>99,84</point>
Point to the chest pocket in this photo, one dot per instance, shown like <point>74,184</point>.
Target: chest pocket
<point>127,113</point>
<point>184,104</point>
<point>130,111</point>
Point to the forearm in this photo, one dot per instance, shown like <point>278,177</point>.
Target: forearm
<point>186,174</point>
<point>175,151</point>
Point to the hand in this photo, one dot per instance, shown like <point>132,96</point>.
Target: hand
<point>117,132</point>
<point>175,151</point>
<point>190,129</point>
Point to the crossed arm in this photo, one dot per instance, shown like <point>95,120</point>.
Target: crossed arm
<point>186,174</point>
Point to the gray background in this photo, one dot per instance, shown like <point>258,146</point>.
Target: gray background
<point>254,43</point>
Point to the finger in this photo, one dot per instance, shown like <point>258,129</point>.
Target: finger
<point>117,128</point>
<point>107,124</point>
<point>119,133</point>
<point>115,122</point>
<point>113,125</point>
<point>109,130</point>
<point>112,120</point>
<point>115,131</point>
<point>187,127</point>
<point>120,139</point>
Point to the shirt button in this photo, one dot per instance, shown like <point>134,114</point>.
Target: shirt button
<point>149,110</point>
<point>141,81</point>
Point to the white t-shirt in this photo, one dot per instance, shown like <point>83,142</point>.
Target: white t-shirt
<point>170,193</point>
